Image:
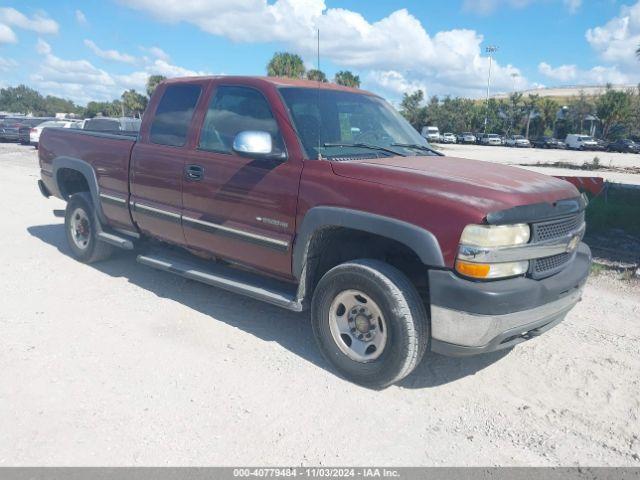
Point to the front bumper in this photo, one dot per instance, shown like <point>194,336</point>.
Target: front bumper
<point>469,318</point>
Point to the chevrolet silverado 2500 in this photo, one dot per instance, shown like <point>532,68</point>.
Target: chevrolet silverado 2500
<point>318,196</point>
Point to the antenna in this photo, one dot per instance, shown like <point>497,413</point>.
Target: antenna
<point>318,98</point>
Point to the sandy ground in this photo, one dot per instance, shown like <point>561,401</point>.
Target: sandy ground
<point>616,163</point>
<point>117,364</point>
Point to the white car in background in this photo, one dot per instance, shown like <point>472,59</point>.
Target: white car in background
<point>580,142</point>
<point>432,134</point>
<point>466,137</point>
<point>35,132</point>
<point>491,139</point>
<point>448,138</point>
<point>518,141</point>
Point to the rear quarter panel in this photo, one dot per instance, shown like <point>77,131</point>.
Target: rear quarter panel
<point>108,155</point>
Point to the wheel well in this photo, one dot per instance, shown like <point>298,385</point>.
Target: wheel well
<point>332,246</point>
<point>71,181</point>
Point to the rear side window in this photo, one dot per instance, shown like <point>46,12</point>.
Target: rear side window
<point>174,114</point>
<point>233,110</point>
<point>102,125</point>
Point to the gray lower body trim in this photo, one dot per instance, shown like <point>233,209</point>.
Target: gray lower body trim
<point>469,330</point>
<point>210,227</point>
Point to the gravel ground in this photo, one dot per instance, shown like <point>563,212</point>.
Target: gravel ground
<point>615,167</point>
<point>117,364</point>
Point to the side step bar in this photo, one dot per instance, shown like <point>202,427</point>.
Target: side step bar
<point>115,240</point>
<point>230,279</point>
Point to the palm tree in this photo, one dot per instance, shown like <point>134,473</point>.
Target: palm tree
<point>284,64</point>
<point>317,75</point>
<point>347,79</point>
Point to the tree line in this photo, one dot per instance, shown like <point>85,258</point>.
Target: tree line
<point>22,99</point>
<point>613,114</point>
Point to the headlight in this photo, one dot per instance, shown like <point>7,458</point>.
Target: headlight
<point>495,235</point>
<point>489,237</point>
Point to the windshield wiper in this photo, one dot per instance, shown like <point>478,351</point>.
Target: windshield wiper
<point>417,146</point>
<point>365,145</point>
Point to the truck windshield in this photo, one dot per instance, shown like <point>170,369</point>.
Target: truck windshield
<point>337,124</point>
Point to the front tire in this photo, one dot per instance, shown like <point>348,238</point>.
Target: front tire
<point>369,322</point>
<point>81,231</point>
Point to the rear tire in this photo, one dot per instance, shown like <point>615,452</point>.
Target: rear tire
<point>81,231</point>
<point>369,322</point>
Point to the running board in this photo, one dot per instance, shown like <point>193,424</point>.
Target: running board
<point>233,280</point>
<point>115,240</point>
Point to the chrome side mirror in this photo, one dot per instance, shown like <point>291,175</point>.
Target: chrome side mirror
<point>253,143</point>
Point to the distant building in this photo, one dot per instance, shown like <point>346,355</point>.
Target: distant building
<point>568,91</point>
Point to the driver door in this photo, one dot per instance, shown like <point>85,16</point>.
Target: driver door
<point>236,207</point>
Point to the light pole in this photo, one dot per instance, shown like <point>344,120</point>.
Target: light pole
<point>491,49</point>
<point>514,75</point>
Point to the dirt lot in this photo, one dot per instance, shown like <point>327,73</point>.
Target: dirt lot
<point>117,364</point>
<point>615,167</point>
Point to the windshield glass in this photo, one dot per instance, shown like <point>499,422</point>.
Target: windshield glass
<point>325,117</point>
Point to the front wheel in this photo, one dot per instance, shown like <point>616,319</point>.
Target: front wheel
<point>82,231</point>
<point>369,322</point>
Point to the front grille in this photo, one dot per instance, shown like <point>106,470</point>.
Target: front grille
<point>547,266</point>
<point>543,266</point>
<point>557,228</point>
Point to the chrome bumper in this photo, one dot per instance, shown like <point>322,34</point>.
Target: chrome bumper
<point>455,332</point>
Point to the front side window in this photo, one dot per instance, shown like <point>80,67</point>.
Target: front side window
<point>174,114</point>
<point>328,117</point>
<point>234,110</point>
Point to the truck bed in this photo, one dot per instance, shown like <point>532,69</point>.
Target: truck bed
<point>107,153</point>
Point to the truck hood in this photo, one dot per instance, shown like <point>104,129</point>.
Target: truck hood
<point>482,187</point>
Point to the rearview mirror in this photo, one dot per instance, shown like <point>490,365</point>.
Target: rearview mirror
<point>255,144</point>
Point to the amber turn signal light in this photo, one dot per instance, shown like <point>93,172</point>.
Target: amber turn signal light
<point>475,270</point>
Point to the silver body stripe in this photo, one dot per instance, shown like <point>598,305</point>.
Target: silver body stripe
<point>235,231</point>
<point>216,226</point>
<point>113,198</point>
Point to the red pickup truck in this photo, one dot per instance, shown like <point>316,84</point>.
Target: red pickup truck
<point>308,195</point>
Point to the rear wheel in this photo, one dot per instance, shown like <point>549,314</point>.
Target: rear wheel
<point>369,322</point>
<point>81,230</point>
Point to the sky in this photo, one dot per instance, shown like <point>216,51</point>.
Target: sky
<point>93,50</point>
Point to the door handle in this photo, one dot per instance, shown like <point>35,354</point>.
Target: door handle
<point>194,172</point>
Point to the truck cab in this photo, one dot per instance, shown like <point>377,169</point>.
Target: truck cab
<point>321,198</point>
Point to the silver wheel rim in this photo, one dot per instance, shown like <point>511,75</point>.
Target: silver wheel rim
<point>80,228</point>
<point>357,326</point>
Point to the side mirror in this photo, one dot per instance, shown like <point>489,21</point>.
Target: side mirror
<point>255,144</point>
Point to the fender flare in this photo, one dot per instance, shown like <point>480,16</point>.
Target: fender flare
<point>421,241</point>
<point>89,174</point>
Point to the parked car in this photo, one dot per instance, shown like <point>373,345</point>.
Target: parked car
<point>35,132</point>
<point>448,138</point>
<point>241,169</point>
<point>466,137</point>
<point>432,134</point>
<point>580,142</point>
<point>548,142</point>
<point>25,129</point>
<point>624,145</point>
<point>10,129</point>
<point>491,139</point>
<point>517,141</point>
<point>112,124</point>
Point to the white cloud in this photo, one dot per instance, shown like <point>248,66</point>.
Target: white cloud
<point>484,7</point>
<point>157,52</point>
<point>598,75</point>
<point>39,23</point>
<point>617,40</point>
<point>572,5</point>
<point>82,82</point>
<point>393,82</point>
<point>449,61</point>
<point>112,55</point>
<point>81,18</point>
<point>615,43</point>
<point>7,64</point>
<point>7,35</point>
